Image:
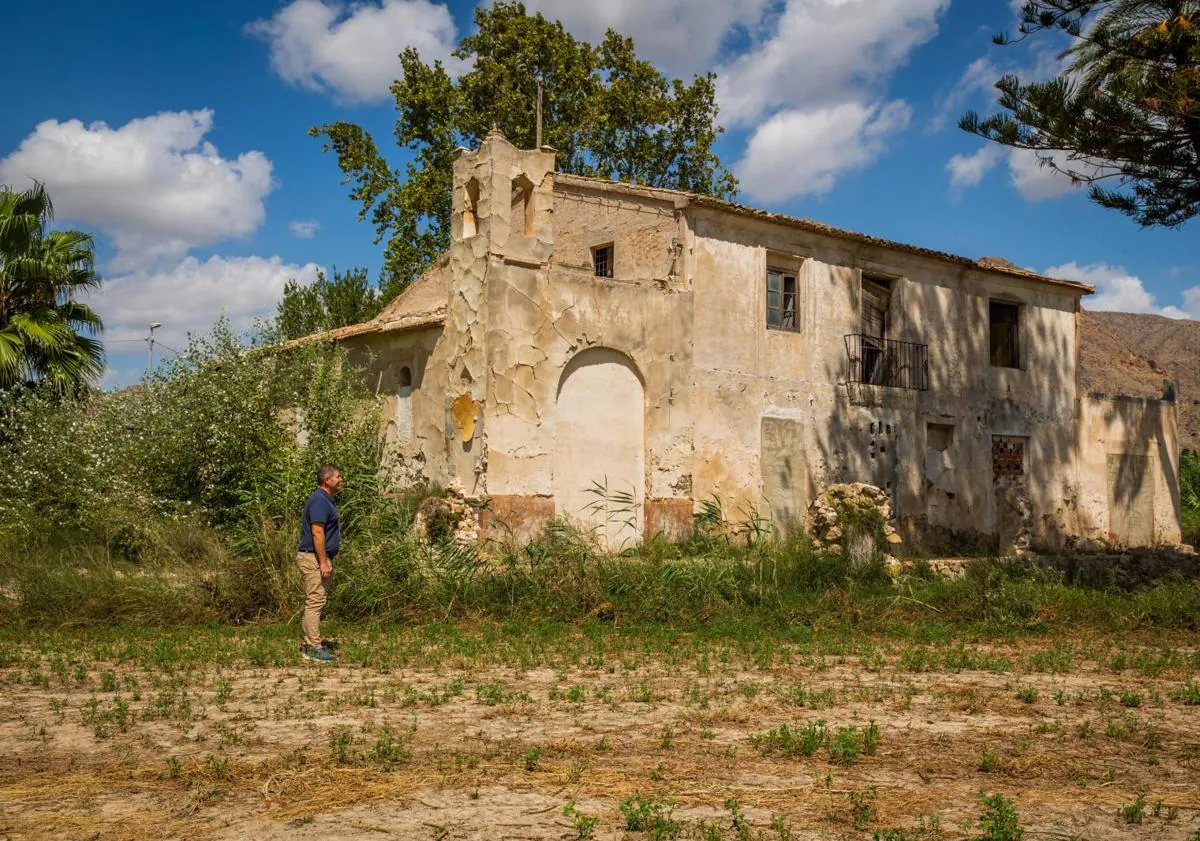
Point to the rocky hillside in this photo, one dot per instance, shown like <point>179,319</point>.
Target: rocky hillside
<point>1132,354</point>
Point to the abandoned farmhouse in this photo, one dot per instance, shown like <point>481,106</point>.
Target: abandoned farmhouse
<point>673,348</point>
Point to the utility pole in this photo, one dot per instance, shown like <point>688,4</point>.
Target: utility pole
<point>538,141</point>
<point>150,341</point>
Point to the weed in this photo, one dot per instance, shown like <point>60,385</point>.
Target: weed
<point>217,766</point>
<point>1028,694</point>
<point>999,820</point>
<point>342,746</point>
<point>988,760</point>
<point>1161,810</point>
<point>871,738</point>
<point>1131,699</point>
<point>802,741</point>
<point>530,761</point>
<point>843,747</point>
<point>652,816</point>
<point>583,824</point>
<point>1135,812</point>
<point>667,737</point>
<point>862,807</point>
<point>389,750</point>
<point>108,681</point>
<point>1187,693</point>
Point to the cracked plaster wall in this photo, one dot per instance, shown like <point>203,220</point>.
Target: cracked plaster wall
<point>419,455</point>
<point>784,394</point>
<point>1109,487</point>
<point>759,417</point>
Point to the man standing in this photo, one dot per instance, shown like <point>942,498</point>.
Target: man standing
<point>320,536</point>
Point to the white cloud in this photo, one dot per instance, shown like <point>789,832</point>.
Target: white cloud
<point>153,184</point>
<point>968,170</point>
<point>979,77</point>
<point>1034,180</point>
<point>304,229</point>
<point>825,52</point>
<point>801,152</point>
<point>682,37</point>
<point>192,295</point>
<point>1118,290</point>
<point>351,50</point>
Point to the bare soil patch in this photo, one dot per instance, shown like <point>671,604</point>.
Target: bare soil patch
<point>460,747</point>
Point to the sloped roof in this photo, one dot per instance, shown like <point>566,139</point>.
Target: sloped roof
<point>422,304</point>
<point>988,264</point>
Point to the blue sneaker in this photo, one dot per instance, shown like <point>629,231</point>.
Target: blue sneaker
<point>320,654</point>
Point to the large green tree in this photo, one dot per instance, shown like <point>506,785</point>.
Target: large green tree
<point>1124,116</point>
<point>606,112</point>
<point>46,333</point>
<point>348,298</point>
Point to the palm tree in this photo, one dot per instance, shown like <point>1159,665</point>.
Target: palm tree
<point>46,335</point>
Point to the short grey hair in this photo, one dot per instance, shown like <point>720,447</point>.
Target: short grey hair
<point>325,471</point>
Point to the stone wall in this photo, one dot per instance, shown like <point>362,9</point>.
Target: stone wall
<point>1128,471</point>
<point>547,380</point>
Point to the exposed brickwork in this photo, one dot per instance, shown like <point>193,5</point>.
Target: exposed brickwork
<point>670,517</point>
<point>520,518</point>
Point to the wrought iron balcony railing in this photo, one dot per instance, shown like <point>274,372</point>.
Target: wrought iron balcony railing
<point>887,362</point>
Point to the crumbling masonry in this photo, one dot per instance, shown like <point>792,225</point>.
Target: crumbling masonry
<point>619,354</point>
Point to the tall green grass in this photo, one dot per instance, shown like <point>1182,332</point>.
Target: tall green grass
<point>1189,496</point>
<point>384,574</point>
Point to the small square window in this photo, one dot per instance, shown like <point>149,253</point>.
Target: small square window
<point>602,259</point>
<point>1004,321</point>
<point>781,300</point>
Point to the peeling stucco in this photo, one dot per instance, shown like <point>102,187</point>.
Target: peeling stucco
<point>759,418</point>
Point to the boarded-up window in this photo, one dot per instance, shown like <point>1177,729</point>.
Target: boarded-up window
<point>1005,329</point>
<point>781,300</point>
<point>1008,456</point>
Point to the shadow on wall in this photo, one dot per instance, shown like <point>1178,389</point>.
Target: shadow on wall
<point>952,468</point>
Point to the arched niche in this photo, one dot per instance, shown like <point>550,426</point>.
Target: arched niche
<point>470,212</point>
<point>520,218</point>
<point>599,447</point>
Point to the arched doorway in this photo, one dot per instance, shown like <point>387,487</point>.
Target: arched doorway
<point>599,446</point>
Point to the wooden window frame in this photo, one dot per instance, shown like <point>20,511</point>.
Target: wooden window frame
<point>781,312</point>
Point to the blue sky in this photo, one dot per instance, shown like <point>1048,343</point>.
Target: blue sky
<point>177,133</point>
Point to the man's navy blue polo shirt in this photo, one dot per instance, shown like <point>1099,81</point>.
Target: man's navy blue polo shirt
<point>320,509</point>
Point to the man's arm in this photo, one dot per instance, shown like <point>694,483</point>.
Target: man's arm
<point>318,534</point>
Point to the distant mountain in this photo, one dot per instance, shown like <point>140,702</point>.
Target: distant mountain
<point>1133,354</point>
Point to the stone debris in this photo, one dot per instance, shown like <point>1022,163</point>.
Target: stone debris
<point>827,531</point>
<point>454,517</point>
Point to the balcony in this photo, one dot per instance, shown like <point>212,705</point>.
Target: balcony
<point>888,363</point>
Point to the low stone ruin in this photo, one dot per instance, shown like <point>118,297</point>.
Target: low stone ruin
<point>451,517</point>
<point>829,533</point>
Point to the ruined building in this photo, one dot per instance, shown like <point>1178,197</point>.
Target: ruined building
<point>672,348</point>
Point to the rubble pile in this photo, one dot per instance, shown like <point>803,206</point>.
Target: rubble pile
<point>452,517</point>
<point>828,531</point>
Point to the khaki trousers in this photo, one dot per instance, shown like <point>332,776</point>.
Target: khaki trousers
<point>315,591</point>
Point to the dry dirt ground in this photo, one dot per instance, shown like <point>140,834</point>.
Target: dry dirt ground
<point>97,742</point>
